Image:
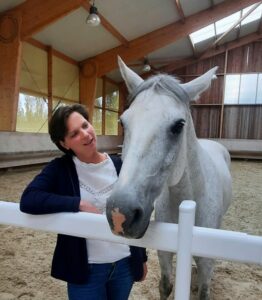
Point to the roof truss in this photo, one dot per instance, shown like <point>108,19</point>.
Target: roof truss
<point>159,38</point>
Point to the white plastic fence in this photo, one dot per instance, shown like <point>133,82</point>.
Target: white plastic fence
<point>183,238</point>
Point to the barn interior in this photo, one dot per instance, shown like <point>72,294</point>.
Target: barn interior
<point>50,55</point>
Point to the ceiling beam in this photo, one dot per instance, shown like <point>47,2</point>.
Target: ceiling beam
<point>56,53</point>
<point>192,46</point>
<point>37,14</point>
<point>159,38</point>
<point>180,11</point>
<point>212,52</point>
<point>212,3</point>
<point>108,26</point>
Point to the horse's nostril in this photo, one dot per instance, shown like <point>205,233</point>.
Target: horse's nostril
<point>137,216</point>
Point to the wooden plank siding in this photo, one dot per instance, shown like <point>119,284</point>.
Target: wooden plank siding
<point>242,122</point>
<point>238,121</point>
<point>245,59</point>
<point>204,65</point>
<point>214,95</point>
<point>206,121</point>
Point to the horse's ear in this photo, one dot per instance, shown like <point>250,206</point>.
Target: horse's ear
<point>197,86</point>
<point>131,79</point>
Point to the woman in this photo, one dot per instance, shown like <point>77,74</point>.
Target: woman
<point>82,180</point>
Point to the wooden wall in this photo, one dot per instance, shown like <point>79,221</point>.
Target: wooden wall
<point>211,117</point>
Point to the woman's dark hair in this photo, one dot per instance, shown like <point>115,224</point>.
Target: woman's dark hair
<point>57,124</point>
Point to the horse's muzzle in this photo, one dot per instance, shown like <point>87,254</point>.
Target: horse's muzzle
<point>126,218</point>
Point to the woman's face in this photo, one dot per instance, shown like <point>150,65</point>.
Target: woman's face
<point>80,137</point>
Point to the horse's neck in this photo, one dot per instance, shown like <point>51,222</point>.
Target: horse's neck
<point>193,152</point>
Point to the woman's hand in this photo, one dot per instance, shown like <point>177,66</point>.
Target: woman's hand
<point>145,272</point>
<point>88,207</point>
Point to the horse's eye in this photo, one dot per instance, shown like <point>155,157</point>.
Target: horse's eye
<point>177,127</point>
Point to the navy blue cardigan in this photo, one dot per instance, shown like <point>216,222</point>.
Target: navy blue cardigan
<point>54,190</point>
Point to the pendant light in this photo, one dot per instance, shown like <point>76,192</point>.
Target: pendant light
<point>146,67</point>
<point>93,17</point>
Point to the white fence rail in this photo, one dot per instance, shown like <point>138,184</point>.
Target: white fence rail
<point>184,239</point>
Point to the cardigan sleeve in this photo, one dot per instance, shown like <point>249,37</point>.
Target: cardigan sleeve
<point>45,193</point>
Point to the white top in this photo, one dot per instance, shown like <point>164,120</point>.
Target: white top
<point>96,183</point>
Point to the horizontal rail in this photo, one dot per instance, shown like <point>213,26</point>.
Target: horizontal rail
<point>211,243</point>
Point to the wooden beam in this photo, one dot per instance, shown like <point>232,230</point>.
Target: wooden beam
<point>159,38</point>
<point>37,14</point>
<point>223,48</point>
<point>87,86</point>
<point>192,46</point>
<point>221,121</point>
<point>104,106</point>
<point>54,51</point>
<point>10,62</point>
<point>212,3</point>
<point>108,26</point>
<point>180,11</point>
<point>50,81</point>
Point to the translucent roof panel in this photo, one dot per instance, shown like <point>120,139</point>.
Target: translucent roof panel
<point>203,34</point>
<point>255,15</point>
<point>224,24</point>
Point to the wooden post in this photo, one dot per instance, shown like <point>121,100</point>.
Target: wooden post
<point>50,80</point>
<point>87,84</point>
<point>122,104</point>
<point>10,64</point>
<point>223,98</point>
<point>104,106</point>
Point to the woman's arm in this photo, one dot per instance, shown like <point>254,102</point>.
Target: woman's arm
<point>47,193</point>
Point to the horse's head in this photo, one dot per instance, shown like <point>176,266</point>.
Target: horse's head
<point>157,126</point>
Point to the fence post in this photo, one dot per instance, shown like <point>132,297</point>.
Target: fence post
<point>184,249</point>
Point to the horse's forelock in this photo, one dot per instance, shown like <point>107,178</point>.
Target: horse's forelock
<point>162,84</point>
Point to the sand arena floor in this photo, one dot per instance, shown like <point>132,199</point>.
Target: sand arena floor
<point>25,255</point>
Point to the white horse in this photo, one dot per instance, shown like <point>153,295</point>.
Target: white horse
<point>164,163</point>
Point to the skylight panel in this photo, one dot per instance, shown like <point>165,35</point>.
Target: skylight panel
<point>203,34</point>
<point>224,24</point>
<point>255,15</point>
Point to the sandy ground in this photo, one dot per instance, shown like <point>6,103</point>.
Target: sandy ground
<point>25,255</point>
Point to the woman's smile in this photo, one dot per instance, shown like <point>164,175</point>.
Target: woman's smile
<point>89,142</point>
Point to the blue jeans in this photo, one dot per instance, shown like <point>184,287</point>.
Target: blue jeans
<point>110,281</point>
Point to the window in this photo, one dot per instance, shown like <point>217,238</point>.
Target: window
<point>248,86</point>
<point>232,89</point>
<point>112,108</point>
<point>224,24</point>
<point>32,114</point>
<point>243,89</point>
<point>97,120</point>
<point>106,111</point>
<point>59,102</point>
<point>259,89</point>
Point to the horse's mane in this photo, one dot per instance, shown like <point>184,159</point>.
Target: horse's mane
<point>161,83</point>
